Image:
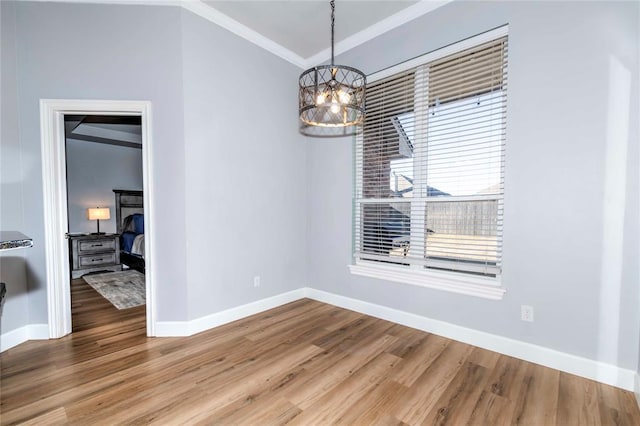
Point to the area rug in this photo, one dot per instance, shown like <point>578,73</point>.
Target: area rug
<point>125,289</point>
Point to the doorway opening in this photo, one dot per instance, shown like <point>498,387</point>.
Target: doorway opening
<point>59,261</point>
<point>105,212</point>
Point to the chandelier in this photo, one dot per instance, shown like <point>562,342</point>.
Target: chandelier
<point>331,97</point>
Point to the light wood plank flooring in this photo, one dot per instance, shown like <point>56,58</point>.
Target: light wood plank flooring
<point>303,363</point>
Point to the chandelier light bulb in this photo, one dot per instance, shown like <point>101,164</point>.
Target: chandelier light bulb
<point>344,97</point>
<point>335,107</point>
<point>320,99</point>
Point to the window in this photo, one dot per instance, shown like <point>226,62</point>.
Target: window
<point>430,170</point>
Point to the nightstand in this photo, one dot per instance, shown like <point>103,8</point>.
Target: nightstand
<point>93,252</point>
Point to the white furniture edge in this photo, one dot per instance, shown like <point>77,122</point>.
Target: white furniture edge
<point>590,369</point>
<point>636,390</point>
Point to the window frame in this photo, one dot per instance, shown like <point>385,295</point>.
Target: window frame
<point>452,281</point>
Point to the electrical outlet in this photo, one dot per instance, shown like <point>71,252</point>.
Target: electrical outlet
<point>256,281</point>
<point>526,312</point>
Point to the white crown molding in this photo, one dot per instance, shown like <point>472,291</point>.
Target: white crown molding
<point>379,28</point>
<point>125,2</point>
<point>394,21</point>
<point>210,14</point>
<point>219,18</point>
<point>122,2</point>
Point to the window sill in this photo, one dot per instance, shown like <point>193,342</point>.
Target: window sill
<point>488,288</point>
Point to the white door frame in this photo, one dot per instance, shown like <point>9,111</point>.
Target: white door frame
<point>54,183</point>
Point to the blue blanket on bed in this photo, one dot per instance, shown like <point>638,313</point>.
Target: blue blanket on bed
<point>127,238</point>
<point>133,226</point>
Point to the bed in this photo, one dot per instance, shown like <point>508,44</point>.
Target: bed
<point>130,227</point>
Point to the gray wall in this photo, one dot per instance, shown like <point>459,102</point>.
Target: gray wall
<point>119,52</point>
<point>237,198</point>
<point>245,177</point>
<point>569,149</point>
<point>12,264</point>
<point>94,170</point>
<point>229,191</point>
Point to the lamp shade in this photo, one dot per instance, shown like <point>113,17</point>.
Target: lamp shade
<point>98,213</point>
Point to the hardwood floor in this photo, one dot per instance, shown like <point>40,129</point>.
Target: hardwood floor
<point>89,310</point>
<point>302,363</point>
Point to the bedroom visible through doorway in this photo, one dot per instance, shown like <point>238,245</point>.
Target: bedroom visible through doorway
<point>58,248</point>
<point>105,213</point>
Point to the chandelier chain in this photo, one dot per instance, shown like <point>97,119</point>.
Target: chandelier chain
<point>333,20</point>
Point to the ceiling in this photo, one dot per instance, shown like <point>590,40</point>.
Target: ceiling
<point>304,27</point>
<point>300,30</point>
<point>297,30</point>
<point>107,129</point>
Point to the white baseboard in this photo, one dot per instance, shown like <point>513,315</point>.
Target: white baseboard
<point>601,372</point>
<point>172,328</point>
<point>636,389</point>
<point>13,338</point>
<point>188,328</point>
<point>595,370</point>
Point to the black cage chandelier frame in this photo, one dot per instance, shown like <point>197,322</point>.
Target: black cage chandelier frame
<point>331,100</point>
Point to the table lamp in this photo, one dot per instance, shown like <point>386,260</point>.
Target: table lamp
<point>98,213</point>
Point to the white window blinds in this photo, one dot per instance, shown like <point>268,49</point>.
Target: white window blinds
<point>430,164</point>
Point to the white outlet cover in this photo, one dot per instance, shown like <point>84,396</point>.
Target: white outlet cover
<point>526,313</point>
